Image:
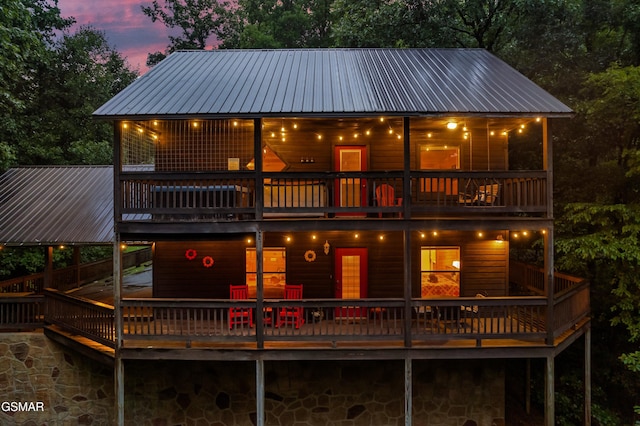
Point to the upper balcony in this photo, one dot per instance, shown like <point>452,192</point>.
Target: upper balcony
<point>383,167</point>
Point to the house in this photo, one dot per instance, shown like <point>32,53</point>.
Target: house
<point>355,205</point>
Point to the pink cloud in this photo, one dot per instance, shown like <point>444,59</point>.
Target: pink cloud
<point>128,30</point>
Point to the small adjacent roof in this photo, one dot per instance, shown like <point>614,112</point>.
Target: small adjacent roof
<point>331,82</point>
<point>56,205</point>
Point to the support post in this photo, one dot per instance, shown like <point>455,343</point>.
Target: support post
<point>408,391</point>
<point>407,287</point>
<point>587,377</point>
<point>260,392</point>
<point>48,267</point>
<point>258,166</point>
<point>260,291</point>
<point>527,388</point>
<point>117,311</point>
<point>549,394</point>
<point>76,265</point>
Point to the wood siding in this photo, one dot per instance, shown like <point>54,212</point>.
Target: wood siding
<point>484,264</point>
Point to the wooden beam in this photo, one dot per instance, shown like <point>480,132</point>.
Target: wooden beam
<point>527,387</point>
<point>260,415</point>
<point>118,374</point>
<point>549,283</point>
<point>549,394</point>
<point>587,377</point>
<point>48,267</point>
<point>260,290</point>
<point>407,288</point>
<point>408,391</point>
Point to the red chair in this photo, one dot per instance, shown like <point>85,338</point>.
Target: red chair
<point>239,316</point>
<point>292,315</point>
<point>386,197</point>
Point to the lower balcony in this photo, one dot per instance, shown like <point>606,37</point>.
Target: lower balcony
<point>222,329</point>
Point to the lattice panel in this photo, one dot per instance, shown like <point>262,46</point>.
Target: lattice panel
<point>188,145</point>
<point>137,144</point>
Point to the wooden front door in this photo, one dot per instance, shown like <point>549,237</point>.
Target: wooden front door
<point>351,276</point>
<point>350,191</point>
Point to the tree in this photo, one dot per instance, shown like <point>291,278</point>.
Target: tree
<point>280,24</point>
<point>201,22</point>
<point>598,228</point>
<point>26,26</point>
<point>81,73</point>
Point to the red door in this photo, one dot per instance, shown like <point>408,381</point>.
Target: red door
<point>351,276</point>
<point>350,191</point>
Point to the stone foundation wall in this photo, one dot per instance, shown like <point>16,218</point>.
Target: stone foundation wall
<point>77,391</point>
<point>72,390</point>
<point>341,393</point>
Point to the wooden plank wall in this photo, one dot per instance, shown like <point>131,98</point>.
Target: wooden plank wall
<point>484,263</point>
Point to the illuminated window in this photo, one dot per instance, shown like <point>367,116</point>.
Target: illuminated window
<point>439,271</point>
<point>274,274</point>
<point>443,157</point>
<point>439,157</point>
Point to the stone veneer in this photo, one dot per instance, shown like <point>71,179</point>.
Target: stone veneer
<point>74,390</point>
<point>77,391</point>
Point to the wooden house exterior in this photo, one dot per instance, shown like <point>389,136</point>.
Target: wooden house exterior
<point>380,180</point>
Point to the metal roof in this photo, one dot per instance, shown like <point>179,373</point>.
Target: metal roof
<point>56,205</point>
<point>331,82</point>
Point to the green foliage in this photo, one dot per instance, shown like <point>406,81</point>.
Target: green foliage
<point>54,81</point>
<point>199,22</point>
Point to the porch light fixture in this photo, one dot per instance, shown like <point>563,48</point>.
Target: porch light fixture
<point>452,125</point>
<point>480,234</point>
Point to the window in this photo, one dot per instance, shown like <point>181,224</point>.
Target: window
<point>274,276</point>
<point>439,272</point>
<point>439,157</point>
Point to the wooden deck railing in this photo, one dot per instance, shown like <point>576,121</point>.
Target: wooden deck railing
<point>530,279</point>
<point>18,313</point>
<point>148,196</point>
<point>328,321</point>
<point>87,318</point>
<point>74,276</point>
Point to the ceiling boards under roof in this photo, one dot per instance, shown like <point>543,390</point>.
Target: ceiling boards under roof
<point>331,82</point>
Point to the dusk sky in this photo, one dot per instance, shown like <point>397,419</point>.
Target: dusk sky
<point>128,30</point>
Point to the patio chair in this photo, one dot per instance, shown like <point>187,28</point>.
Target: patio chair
<point>470,313</point>
<point>239,316</point>
<point>484,195</point>
<point>291,315</point>
<point>386,197</point>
